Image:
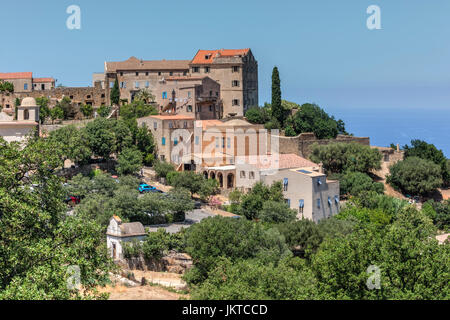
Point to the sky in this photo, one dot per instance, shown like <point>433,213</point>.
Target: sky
<point>323,49</point>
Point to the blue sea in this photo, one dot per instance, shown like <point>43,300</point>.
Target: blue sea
<point>390,125</point>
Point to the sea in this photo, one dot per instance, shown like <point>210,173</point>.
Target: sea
<point>397,125</point>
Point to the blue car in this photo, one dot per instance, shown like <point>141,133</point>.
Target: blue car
<point>145,188</point>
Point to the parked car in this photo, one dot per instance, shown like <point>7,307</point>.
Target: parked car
<point>157,191</point>
<point>72,200</point>
<point>145,188</point>
<point>197,205</point>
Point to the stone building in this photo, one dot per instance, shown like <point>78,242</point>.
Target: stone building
<point>24,82</point>
<point>234,71</point>
<point>237,73</point>
<point>307,191</point>
<point>119,233</point>
<point>27,121</point>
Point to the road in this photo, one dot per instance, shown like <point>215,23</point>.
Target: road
<point>192,217</point>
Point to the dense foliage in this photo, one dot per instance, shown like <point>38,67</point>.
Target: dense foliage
<point>341,157</point>
<point>355,183</point>
<point>415,176</point>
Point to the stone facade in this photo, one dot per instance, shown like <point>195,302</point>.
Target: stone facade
<point>24,82</point>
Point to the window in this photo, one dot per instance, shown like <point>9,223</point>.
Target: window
<point>235,83</point>
<point>242,174</point>
<point>199,109</point>
<point>189,108</point>
<point>207,69</point>
<point>185,124</point>
<point>228,143</point>
<point>223,142</point>
<point>189,94</point>
<point>197,140</point>
<point>301,205</point>
<point>285,184</point>
<point>159,73</point>
<point>336,199</point>
<point>111,84</point>
<point>217,93</point>
<point>71,97</point>
<point>235,69</point>
<point>155,125</point>
<point>170,73</point>
<point>123,85</point>
<point>319,182</point>
<point>147,84</point>
<point>235,102</point>
<point>210,108</point>
<point>121,74</point>
<point>170,124</point>
<point>136,84</point>
<point>195,69</point>
<point>163,158</point>
<point>329,201</point>
<point>103,95</point>
<point>251,175</point>
<point>210,93</point>
<point>184,73</point>
<point>146,73</point>
<point>43,86</point>
<point>26,114</point>
<point>88,96</point>
<point>163,142</point>
<point>175,141</point>
<point>137,73</point>
<point>318,203</point>
<point>217,142</point>
<point>288,202</point>
<point>164,95</point>
<point>25,86</point>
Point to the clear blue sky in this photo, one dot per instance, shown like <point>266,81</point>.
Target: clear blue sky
<point>323,49</point>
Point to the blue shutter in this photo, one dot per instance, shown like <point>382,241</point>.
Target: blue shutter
<point>163,141</point>
<point>329,201</point>
<point>336,199</point>
<point>288,202</point>
<point>175,141</point>
<point>318,203</point>
<point>301,203</point>
<point>197,140</point>
<point>285,181</point>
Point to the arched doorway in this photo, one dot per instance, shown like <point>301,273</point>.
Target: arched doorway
<point>205,174</point>
<point>230,180</point>
<point>26,114</point>
<point>220,178</point>
<point>212,175</point>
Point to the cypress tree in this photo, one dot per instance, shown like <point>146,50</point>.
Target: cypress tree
<point>115,93</point>
<point>277,108</point>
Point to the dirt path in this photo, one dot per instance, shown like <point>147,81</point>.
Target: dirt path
<point>142,293</point>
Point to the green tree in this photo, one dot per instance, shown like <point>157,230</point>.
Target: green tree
<point>56,113</point>
<point>235,239</point>
<point>277,108</point>
<point>72,142</point>
<point>252,203</point>
<point>276,212</point>
<point>428,151</point>
<point>341,157</point>
<point>355,183</point>
<point>101,137</point>
<point>6,86</point>
<point>87,110</point>
<point>44,111</point>
<point>312,118</point>
<point>137,109</point>
<point>104,111</point>
<point>415,176</point>
<point>129,161</point>
<point>37,245</point>
<point>115,93</point>
<point>162,168</point>
<point>303,236</point>
<point>257,115</point>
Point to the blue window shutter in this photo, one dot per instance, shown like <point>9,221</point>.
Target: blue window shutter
<point>289,202</point>
<point>336,199</point>
<point>318,203</point>
<point>286,181</point>
<point>197,140</point>
<point>163,141</point>
<point>329,201</point>
<point>175,141</point>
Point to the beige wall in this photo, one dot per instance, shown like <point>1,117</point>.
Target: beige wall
<point>306,187</point>
<point>15,132</point>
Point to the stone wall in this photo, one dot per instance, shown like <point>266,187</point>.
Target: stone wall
<point>173,262</point>
<point>301,144</point>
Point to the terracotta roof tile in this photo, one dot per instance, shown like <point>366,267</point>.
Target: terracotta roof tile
<point>42,80</point>
<point>208,56</point>
<point>134,63</point>
<point>172,117</point>
<point>16,75</point>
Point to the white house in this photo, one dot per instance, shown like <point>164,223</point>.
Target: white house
<point>27,121</point>
<point>118,233</point>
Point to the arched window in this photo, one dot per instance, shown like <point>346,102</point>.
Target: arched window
<point>26,114</point>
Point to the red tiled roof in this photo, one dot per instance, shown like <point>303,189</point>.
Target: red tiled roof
<point>42,80</point>
<point>277,161</point>
<point>16,75</point>
<point>173,117</point>
<point>208,56</point>
<point>134,63</point>
<point>184,78</point>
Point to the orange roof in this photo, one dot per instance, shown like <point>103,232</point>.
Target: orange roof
<point>173,117</point>
<point>211,123</point>
<point>16,75</point>
<point>208,56</point>
<point>41,80</point>
<point>134,63</point>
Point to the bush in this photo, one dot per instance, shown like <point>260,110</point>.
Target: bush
<point>129,161</point>
<point>162,168</point>
<point>231,238</point>
<point>355,183</point>
<point>415,176</point>
<point>342,157</point>
<point>276,212</point>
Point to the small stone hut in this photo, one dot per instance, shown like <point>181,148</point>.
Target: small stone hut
<point>118,233</point>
